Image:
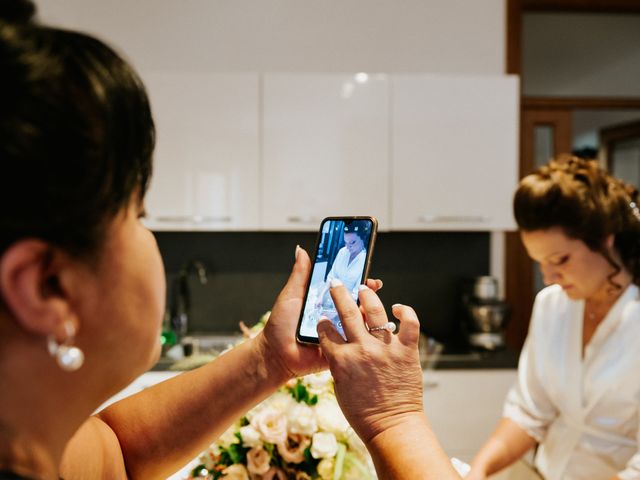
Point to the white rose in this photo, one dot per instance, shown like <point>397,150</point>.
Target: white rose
<point>325,468</point>
<point>229,437</point>
<point>210,457</point>
<point>280,401</point>
<point>324,445</point>
<point>258,461</point>
<point>292,451</point>
<point>275,473</point>
<point>330,417</point>
<point>250,436</point>
<point>271,424</point>
<point>302,419</point>
<point>236,472</point>
<point>318,382</point>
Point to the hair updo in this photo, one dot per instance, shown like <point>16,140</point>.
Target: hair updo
<point>76,134</point>
<point>362,228</point>
<point>587,203</point>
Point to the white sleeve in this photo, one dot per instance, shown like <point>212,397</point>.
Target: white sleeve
<point>632,470</point>
<point>332,274</point>
<point>528,403</point>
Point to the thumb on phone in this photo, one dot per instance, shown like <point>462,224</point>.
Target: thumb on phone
<point>297,282</point>
<point>329,337</point>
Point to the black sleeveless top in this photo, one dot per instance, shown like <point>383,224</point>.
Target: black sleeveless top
<point>5,475</point>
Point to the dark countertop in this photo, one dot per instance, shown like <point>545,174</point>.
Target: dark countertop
<point>459,359</point>
<point>449,360</point>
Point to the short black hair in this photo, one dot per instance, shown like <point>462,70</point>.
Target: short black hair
<point>76,134</point>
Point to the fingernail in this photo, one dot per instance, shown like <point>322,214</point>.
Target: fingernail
<point>323,319</point>
<point>381,284</point>
<point>396,305</point>
<point>335,283</point>
<point>363,287</point>
<point>297,251</point>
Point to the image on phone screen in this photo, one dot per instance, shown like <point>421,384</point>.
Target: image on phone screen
<point>343,251</point>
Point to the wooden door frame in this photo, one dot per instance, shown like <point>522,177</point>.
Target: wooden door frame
<point>616,133</point>
<point>519,269</point>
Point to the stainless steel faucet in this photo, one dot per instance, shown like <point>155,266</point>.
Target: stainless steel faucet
<point>182,296</point>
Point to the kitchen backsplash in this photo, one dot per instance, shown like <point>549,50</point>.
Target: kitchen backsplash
<point>245,272</point>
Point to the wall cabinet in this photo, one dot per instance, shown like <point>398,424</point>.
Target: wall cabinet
<point>283,151</point>
<point>325,149</point>
<point>454,152</point>
<point>206,162</point>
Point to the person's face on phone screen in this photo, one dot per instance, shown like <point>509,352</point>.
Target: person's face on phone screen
<point>353,243</point>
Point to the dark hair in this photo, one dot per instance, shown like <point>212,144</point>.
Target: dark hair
<point>76,134</point>
<point>359,227</point>
<point>578,196</point>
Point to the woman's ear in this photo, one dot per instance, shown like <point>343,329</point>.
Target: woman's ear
<point>30,287</point>
<point>609,241</point>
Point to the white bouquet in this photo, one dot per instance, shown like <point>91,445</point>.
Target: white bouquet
<point>298,433</point>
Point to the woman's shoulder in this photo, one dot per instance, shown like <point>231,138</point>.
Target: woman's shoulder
<point>551,294</point>
<point>550,303</point>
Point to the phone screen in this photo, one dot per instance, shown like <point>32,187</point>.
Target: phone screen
<point>343,252</point>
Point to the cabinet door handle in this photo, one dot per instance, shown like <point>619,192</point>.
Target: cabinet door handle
<point>303,219</point>
<point>452,219</point>
<point>192,219</point>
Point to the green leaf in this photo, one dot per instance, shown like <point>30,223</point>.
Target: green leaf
<point>196,471</point>
<point>269,447</point>
<point>337,469</point>
<point>307,455</point>
<point>238,453</point>
<point>234,453</point>
<point>301,394</point>
<point>310,464</point>
<point>225,458</point>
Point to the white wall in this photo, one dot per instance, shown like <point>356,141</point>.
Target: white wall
<point>449,36</point>
<point>581,54</point>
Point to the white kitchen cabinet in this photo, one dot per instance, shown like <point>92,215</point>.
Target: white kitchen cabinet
<point>206,162</point>
<point>325,149</point>
<point>454,152</point>
<point>464,407</point>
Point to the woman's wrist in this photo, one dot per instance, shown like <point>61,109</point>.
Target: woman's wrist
<point>270,362</point>
<point>399,427</point>
<point>407,447</point>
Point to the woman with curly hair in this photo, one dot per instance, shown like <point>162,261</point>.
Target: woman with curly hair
<point>578,390</point>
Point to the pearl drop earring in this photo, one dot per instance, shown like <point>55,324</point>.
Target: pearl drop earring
<point>68,357</point>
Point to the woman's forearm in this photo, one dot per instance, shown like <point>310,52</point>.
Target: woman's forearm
<point>506,445</point>
<point>410,450</point>
<point>165,426</point>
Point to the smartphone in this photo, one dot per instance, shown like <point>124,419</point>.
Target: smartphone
<point>343,251</point>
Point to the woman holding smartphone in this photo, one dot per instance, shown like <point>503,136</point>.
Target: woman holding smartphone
<point>82,293</point>
<point>578,389</point>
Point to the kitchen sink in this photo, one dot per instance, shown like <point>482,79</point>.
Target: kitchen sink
<point>205,346</point>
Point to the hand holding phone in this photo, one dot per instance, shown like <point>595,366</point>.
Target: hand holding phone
<point>343,252</point>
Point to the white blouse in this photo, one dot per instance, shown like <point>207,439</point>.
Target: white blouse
<point>348,272</point>
<point>584,412</point>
